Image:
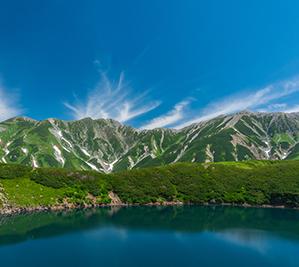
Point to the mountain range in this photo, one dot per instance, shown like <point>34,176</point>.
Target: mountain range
<point>106,145</point>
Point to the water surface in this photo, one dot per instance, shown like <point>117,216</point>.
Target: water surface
<point>152,236</point>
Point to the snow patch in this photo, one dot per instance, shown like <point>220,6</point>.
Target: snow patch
<point>131,161</point>
<point>34,162</point>
<point>209,154</point>
<point>67,141</point>
<point>111,165</point>
<point>67,150</point>
<point>24,150</point>
<point>284,155</point>
<point>58,155</point>
<point>182,152</point>
<point>58,133</point>
<point>85,152</point>
<point>92,166</point>
<point>153,156</point>
<point>267,150</point>
<point>161,141</point>
<point>6,151</point>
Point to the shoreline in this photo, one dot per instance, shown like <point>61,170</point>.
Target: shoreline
<point>27,210</point>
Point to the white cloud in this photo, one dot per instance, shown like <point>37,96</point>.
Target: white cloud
<point>277,106</point>
<point>253,100</point>
<point>113,100</point>
<point>292,109</point>
<point>171,117</point>
<point>8,104</point>
<point>116,100</point>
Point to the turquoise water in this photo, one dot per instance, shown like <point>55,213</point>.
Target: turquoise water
<point>152,236</point>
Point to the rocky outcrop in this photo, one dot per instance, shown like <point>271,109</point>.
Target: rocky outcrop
<point>115,200</point>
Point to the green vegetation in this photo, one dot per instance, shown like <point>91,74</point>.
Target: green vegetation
<point>252,182</point>
<point>281,138</point>
<point>27,187</point>
<point>26,193</point>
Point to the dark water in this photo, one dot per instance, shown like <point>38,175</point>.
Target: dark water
<point>152,236</point>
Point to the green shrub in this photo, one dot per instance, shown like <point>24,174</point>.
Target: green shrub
<point>253,182</point>
<point>10,171</point>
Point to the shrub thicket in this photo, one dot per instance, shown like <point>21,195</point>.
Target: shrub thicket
<point>253,182</point>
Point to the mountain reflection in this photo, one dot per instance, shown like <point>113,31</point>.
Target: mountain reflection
<point>235,224</point>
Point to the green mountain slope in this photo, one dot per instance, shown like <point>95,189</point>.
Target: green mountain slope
<point>106,145</point>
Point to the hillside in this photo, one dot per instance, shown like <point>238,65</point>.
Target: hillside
<point>108,146</point>
<point>251,182</point>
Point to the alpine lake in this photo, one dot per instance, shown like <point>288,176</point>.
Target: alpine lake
<point>152,236</point>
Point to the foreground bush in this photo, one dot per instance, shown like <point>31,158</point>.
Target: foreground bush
<point>252,182</point>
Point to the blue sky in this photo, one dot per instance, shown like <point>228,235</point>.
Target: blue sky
<point>148,63</point>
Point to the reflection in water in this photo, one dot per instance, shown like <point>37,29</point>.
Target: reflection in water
<point>229,236</point>
<point>254,239</point>
<point>241,222</point>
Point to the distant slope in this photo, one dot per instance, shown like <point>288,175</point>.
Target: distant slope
<point>106,145</point>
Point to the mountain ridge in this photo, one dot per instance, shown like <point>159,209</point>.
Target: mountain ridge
<point>242,112</point>
<point>106,145</point>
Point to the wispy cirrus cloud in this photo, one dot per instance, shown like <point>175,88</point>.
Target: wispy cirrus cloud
<point>275,107</point>
<point>117,100</point>
<point>171,117</point>
<point>9,106</point>
<point>252,100</point>
<point>291,109</point>
<point>113,100</point>
<point>264,99</point>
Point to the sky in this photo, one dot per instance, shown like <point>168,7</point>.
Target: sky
<point>148,63</point>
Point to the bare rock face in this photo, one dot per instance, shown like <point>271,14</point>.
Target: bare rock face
<point>106,145</point>
<point>115,200</point>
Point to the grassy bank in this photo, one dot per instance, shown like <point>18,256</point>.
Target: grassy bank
<point>251,182</point>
